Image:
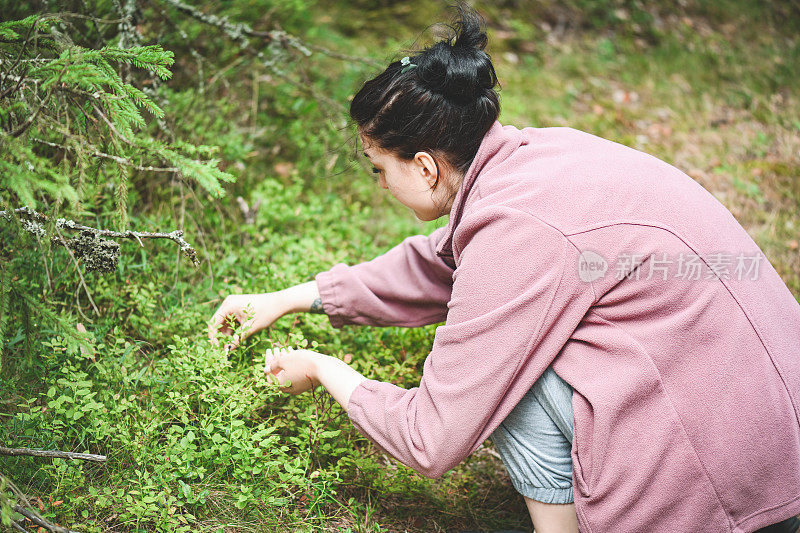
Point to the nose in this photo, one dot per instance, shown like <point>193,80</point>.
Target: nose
<point>382,181</point>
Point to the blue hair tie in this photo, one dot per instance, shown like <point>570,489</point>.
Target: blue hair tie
<point>407,65</point>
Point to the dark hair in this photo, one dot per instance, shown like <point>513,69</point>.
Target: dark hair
<point>445,105</point>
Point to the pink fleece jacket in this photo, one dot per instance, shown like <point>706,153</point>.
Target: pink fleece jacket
<point>680,339</point>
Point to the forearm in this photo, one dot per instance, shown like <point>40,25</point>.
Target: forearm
<point>334,374</point>
<point>302,298</point>
<point>407,286</point>
<point>338,378</point>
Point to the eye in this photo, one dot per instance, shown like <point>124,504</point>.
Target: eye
<point>375,170</point>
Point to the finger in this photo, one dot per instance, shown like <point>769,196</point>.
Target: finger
<point>279,354</point>
<point>269,360</point>
<point>272,358</point>
<point>212,333</point>
<point>277,351</point>
<point>216,320</point>
<point>275,367</point>
<point>280,375</point>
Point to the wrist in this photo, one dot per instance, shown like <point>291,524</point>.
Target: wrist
<point>299,298</point>
<point>338,378</point>
<point>282,300</point>
<point>317,367</point>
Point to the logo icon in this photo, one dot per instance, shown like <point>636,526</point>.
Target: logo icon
<point>591,266</point>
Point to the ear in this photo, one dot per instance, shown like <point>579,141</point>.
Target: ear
<point>427,167</point>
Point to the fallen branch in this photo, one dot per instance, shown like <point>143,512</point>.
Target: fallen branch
<point>52,453</point>
<point>41,522</point>
<point>27,509</point>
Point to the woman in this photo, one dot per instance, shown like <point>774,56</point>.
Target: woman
<point>569,263</point>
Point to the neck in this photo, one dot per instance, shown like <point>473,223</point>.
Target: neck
<point>453,182</point>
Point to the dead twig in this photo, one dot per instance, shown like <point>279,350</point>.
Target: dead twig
<point>115,158</point>
<point>19,58</point>
<point>238,31</point>
<point>109,124</point>
<point>25,125</point>
<point>176,236</point>
<point>344,57</point>
<point>58,16</point>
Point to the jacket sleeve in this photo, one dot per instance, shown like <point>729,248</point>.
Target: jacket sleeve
<point>407,286</point>
<point>515,302</point>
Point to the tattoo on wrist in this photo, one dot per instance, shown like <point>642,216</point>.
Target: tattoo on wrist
<point>316,307</point>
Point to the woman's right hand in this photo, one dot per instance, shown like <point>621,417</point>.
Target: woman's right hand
<point>264,309</point>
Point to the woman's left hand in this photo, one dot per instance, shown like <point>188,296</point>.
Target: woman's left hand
<point>297,366</point>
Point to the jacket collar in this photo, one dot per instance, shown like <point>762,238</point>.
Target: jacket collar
<point>498,143</point>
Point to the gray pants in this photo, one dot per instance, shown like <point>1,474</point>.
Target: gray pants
<point>535,441</point>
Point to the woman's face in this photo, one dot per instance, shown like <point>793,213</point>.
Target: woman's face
<point>409,182</point>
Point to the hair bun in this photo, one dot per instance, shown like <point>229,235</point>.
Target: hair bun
<point>441,101</point>
<point>457,67</point>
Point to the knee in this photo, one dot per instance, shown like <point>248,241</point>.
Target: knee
<point>552,517</point>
